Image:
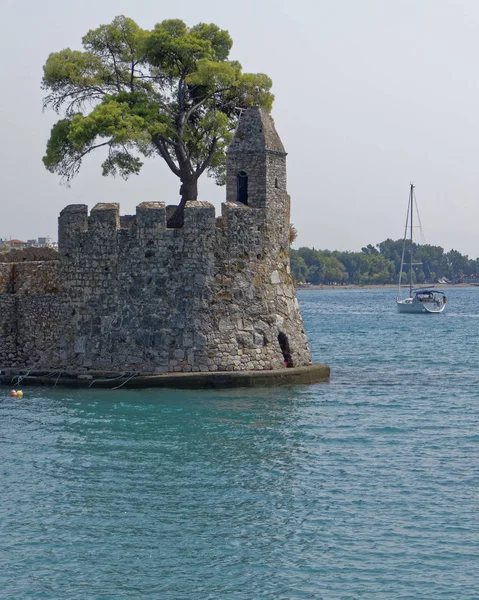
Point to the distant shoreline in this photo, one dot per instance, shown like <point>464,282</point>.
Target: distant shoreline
<point>373,286</point>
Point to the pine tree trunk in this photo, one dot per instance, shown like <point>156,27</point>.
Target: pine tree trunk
<point>188,192</point>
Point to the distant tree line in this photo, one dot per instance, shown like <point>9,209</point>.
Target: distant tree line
<point>381,264</point>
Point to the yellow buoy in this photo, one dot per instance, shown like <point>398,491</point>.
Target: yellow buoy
<point>19,394</point>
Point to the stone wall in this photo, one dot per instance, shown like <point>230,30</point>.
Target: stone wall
<point>213,295</point>
<point>29,254</point>
<point>29,313</point>
<point>8,333</point>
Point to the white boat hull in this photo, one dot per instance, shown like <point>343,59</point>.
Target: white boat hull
<point>413,305</point>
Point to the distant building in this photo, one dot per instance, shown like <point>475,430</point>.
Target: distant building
<point>16,244</point>
<point>41,242</point>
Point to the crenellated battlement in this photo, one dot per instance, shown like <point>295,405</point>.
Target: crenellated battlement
<point>105,216</point>
<point>151,215</point>
<point>83,233</point>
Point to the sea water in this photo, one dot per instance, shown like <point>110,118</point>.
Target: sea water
<point>366,487</point>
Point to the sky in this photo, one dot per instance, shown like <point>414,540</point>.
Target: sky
<point>371,95</point>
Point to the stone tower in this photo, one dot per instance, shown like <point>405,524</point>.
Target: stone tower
<point>256,172</point>
<point>133,296</point>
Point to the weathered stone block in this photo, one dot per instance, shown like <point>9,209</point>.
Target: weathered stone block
<point>151,215</point>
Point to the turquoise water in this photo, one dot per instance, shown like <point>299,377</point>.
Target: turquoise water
<point>366,487</point>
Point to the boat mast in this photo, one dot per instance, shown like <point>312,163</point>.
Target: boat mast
<point>411,201</point>
<point>404,244</point>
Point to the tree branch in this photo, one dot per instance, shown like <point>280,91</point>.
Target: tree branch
<point>163,150</point>
<point>56,99</point>
<point>114,67</point>
<point>180,121</point>
<point>70,165</point>
<point>92,148</point>
<point>205,99</point>
<point>207,160</point>
<point>132,76</point>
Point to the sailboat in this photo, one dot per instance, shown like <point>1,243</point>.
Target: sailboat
<point>424,300</point>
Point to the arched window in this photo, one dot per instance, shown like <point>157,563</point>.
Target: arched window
<point>242,188</point>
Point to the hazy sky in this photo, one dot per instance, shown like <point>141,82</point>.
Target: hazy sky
<point>370,95</point>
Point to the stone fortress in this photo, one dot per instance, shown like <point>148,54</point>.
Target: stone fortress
<point>128,296</point>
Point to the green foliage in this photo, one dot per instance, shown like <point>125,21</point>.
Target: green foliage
<point>299,268</point>
<point>381,265</point>
<point>59,146</point>
<point>293,233</point>
<point>170,92</point>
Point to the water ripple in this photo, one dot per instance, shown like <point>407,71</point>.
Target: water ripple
<point>363,488</point>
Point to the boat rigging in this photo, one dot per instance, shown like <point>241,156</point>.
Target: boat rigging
<point>424,300</point>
